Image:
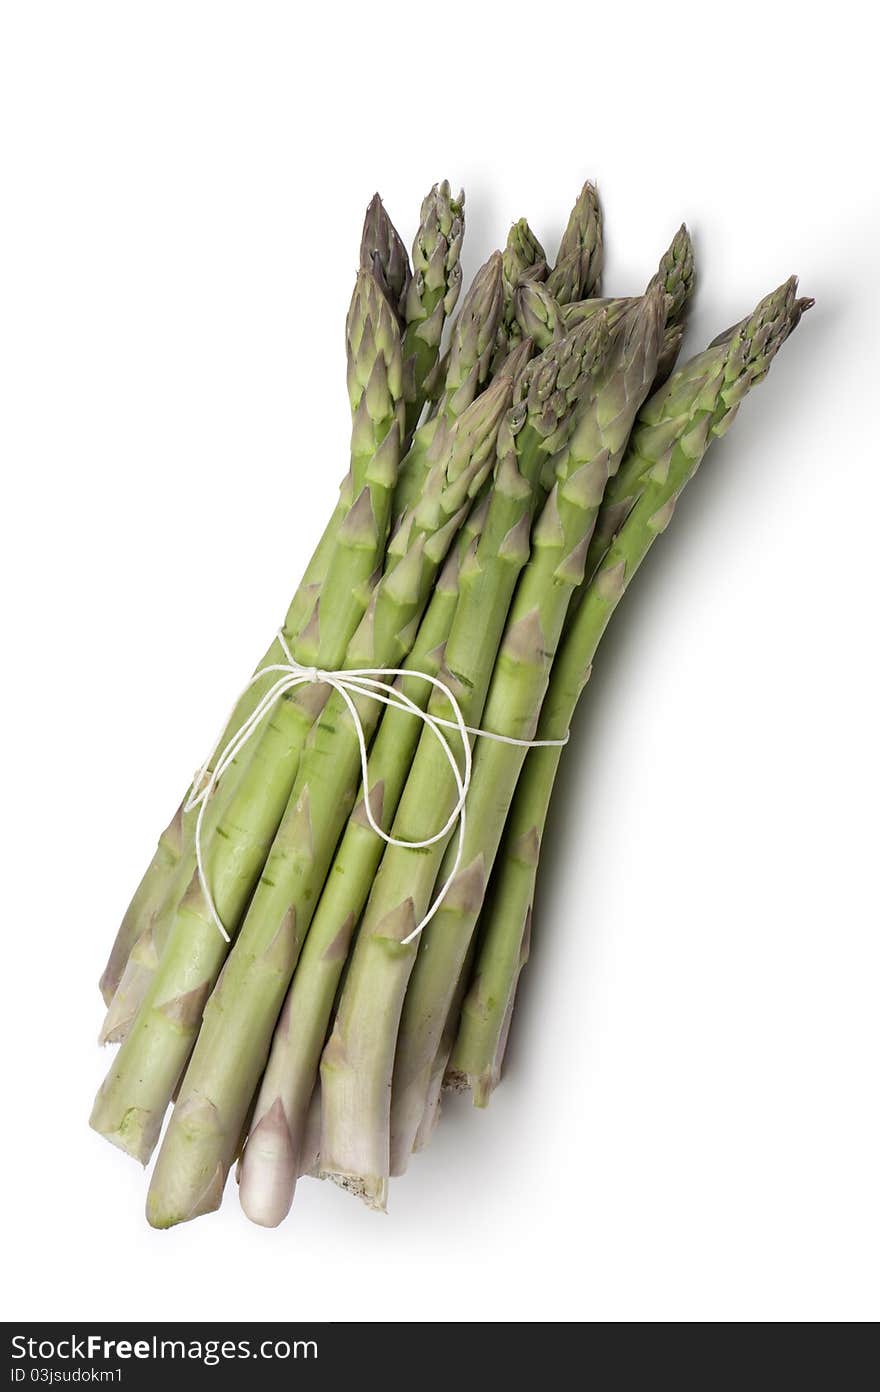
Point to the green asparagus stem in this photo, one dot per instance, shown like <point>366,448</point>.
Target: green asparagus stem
<point>578,270</point>
<point>675,429</point>
<point>356,1067</point>
<point>375,386</point>
<point>673,337</point>
<point>411,478</point>
<point>466,373</point>
<point>675,274</point>
<point>432,292</point>
<point>377,433</point>
<point>243,832</point>
<point>137,920</point>
<point>437,1083</point>
<point>523,259</point>
<point>467,366</point>
<point>559,547</point>
<point>273,1156</point>
<point>309,1160</point>
<point>537,313</point>
<point>383,252</point>
<point>233,1043</point>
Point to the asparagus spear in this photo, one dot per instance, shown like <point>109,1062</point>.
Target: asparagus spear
<point>675,429</point>
<point>578,270</point>
<point>537,313</point>
<point>523,259</point>
<point>518,687</point>
<point>356,1067</point>
<point>437,1083</point>
<point>273,1157</point>
<point>466,373</point>
<point>675,274</point>
<point>375,385</point>
<point>137,920</point>
<point>233,1043</point>
<point>310,1155</point>
<point>382,252</point>
<point>432,292</point>
<point>511,929</point>
<point>377,434</point>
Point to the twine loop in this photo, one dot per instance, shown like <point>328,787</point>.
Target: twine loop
<point>373,683</point>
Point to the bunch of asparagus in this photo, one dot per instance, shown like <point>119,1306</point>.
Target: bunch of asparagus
<point>501,494</point>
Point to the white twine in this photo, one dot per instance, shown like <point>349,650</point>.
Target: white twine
<point>363,681</point>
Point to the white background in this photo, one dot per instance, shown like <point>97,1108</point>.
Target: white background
<point>689,1126</point>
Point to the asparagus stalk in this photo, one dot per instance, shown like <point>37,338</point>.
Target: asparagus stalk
<point>273,1156</point>
<point>375,386</point>
<point>377,433</point>
<point>506,918</point>
<point>537,313</point>
<point>146,902</point>
<point>400,1144</point>
<point>382,252</point>
<point>356,1067</point>
<point>523,259</point>
<point>385,256</point>
<point>518,686</point>
<point>675,274</point>
<point>310,1155</point>
<point>432,292</point>
<point>675,429</point>
<point>466,373</point>
<point>233,1043</point>
<point>235,853</point>
<point>578,270</point>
